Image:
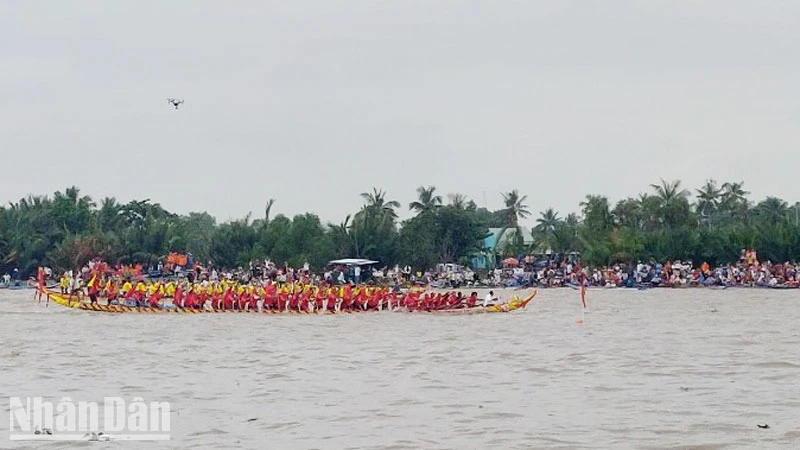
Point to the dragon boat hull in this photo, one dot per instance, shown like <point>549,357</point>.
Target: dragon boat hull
<point>57,297</point>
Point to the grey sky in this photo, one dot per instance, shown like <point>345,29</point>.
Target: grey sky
<point>313,102</point>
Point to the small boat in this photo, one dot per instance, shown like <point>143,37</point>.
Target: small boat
<point>514,304</point>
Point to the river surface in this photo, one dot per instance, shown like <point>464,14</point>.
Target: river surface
<point>648,369</point>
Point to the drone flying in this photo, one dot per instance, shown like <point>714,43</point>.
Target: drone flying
<point>175,102</point>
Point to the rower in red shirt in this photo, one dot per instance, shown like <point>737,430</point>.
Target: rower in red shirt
<point>253,304</point>
<point>216,300</point>
<point>372,302</point>
<point>319,299</point>
<point>361,298</point>
<point>111,292</point>
<point>154,298</point>
<point>331,300</point>
<point>177,298</point>
<point>270,300</point>
<point>303,303</point>
<point>227,299</point>
<point>191,299</point>
<point>283,301</point>
<point>294,302</point>
<point>411,302</point>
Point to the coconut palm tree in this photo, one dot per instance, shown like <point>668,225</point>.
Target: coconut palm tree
<point>458,201</point>
<point>427,201</point>
<point>377,204</point>
<point>734,192</point>
<point>708,198</point>
<point>674,203</point>
<point>546,226</point>
<point>267,209</point>
<point>109,215</point>
<point>628,212</point>
<point>670,191</point>
<point>772,211</point>
<point>596,213</point>
<point>515,208</point>
<point>72,211</point>
<point>547,221</point>
<point>733,202</point>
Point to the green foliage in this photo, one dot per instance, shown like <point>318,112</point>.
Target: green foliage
<point>68,229</point>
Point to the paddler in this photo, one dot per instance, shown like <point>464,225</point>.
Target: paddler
<point>64,283</point>
<point>155,296</point>
<point>111,290</point>
<point>177,296</point>
<point>127,289</point>
<point>191,298</point>
<point>227,299</point>
<point>141,291</point>
<point>490,299</point>
<point>93,287</point>
<point>40,282</point>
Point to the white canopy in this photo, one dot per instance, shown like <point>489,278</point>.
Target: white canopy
<point>353,262</point>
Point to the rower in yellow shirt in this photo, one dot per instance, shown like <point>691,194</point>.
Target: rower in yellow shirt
<point>64,283</point>
<point>126,287</point>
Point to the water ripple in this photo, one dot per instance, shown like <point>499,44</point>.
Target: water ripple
<point>649,369</point>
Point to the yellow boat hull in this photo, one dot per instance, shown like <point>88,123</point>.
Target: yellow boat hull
<point>57,297</point>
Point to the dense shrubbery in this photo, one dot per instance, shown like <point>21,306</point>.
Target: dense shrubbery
<point>68,229</point>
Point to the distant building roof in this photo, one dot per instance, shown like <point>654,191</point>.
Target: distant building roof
<point>491,241</point>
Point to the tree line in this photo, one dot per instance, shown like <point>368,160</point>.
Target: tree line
<point>712,223</point>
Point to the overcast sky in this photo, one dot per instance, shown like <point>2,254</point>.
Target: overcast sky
<point>314,102</point>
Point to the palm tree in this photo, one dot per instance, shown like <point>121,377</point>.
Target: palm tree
<point>674,202</point>
<point>459,201</point>
<point>708,198</point>
<point>374,227</point>
<point>772,211</point>
<point>670,191</point>
<point>344,238</point>
<point>547,221</point>
<point>734,192</point>
<point>109,214</point>
<point>596,213</point>
<point>546,226</point>
<point>267,210</point>
<point>628,213</point>
<point>515,209</point>
<point>427,201</point>
<point>376,203</point>
<point>72,211</point>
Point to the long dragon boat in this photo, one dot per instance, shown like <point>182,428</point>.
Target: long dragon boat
<point>514,304</point>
